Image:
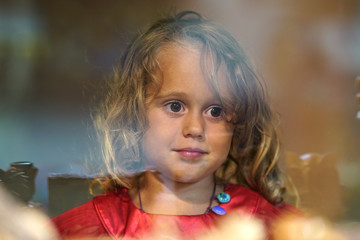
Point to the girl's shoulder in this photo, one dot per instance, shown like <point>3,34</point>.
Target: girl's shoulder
<point>253,203</point>
<point>78,222</point>
<point>84,220</point>
<point>248,202</point>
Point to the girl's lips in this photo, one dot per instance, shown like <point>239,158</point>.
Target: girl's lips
<point>191,152</point>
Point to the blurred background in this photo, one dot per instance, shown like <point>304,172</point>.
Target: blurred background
<point>55,55</point>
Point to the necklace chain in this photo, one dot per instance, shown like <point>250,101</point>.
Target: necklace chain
<point>207,209</point>
<point>212,198</point>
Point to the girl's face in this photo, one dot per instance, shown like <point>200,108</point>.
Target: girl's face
<point>188,137</point>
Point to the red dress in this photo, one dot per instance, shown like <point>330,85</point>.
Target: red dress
<point>114,214</point>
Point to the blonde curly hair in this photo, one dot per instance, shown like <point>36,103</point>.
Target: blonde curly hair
<point>121,119</point>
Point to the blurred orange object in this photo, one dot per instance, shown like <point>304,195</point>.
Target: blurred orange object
<point>234,226</point>
<point>301,228</point>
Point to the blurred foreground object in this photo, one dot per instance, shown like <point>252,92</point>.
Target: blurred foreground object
<point>357,87</point>
<point>234,227</point>
<point>314,184</point>
<point>19,180</point>
<point>301,228</point>
<point>288,227</point>
<point>18,222</point>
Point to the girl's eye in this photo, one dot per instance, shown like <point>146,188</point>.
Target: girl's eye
<point>174,106</point>
<point>215,112</point>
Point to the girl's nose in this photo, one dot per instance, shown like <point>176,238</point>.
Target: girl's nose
<point>194,126</point>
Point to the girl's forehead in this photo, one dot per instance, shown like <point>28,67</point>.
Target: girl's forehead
<point>176,51</point>
<point>174,59</point>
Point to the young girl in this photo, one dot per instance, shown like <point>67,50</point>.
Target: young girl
<point>188,136</point>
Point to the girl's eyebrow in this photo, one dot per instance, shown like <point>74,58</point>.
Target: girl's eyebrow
<point>171,94</point>
<point>177,95</point>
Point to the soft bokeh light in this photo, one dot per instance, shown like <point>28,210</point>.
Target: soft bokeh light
<point>20,222</point>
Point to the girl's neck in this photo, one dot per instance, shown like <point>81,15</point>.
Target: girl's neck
<point>161,195</point>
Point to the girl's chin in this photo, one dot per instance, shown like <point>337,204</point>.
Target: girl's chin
<point>186,178</point>
<point>180,176</point>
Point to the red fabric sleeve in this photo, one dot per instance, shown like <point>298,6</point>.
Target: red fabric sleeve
<point>79,222</point>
